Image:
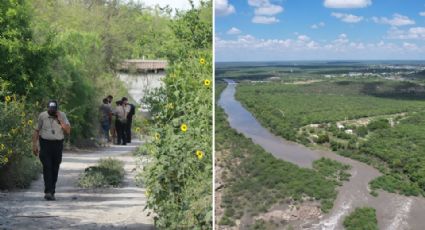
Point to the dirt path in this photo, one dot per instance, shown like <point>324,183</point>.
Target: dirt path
<point>76,208</point>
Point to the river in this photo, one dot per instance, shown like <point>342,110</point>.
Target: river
<point>394,212</point>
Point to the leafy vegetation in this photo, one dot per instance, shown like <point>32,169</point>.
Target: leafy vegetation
<point>255,180</point>
<point>178,177</point>
<point>108,172</point>
<point>392,141</point>
<point>361,219</point>
<point>287,107</point>
<point>69,51</point>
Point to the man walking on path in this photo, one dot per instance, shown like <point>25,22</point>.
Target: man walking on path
<point>50,132</point>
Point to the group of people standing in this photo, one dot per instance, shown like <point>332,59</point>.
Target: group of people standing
<point>117,120</point>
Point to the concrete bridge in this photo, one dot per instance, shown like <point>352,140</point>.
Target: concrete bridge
<point>141,76</point>
<point>141,65</point>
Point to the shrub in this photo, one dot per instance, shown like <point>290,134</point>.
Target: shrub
<point>18,166</point>
<point>361,218</point>
<point>178,177</point>
<point>323,138</point>
<point>108,172</point>
<point>378,124</point>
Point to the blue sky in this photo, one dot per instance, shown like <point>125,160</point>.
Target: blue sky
<point>273,30</point>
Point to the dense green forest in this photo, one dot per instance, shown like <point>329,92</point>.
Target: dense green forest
<point>254,180</point>
<point>392,140</point>
<point>287,107</point>
<point>361,219</point>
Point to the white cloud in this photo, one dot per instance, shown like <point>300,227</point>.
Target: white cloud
<point>268,10</point>
<point>397,20</point>
<point>410,34</point>
<point>264,20</point>
<point>318,25</point>
<point>265,12</point>
<point>223,8</point>
<point>422,14</point>
<point>348,18</point>
<point>347,3</point>
<point>233,31</point>
<point>303,38</point>
<point>248,48</point>
<point>408,45</point>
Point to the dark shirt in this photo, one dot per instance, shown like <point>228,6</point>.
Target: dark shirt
<point>132,111</point>
<point>105,110</point>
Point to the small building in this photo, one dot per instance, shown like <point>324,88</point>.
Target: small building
<point>349,131</point>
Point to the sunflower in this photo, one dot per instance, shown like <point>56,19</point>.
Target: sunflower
<point>202,61</point>
<point>137,129</point>
<point>157,136</point>
<point>207,82</point>
<point>183,127</point>
<point>29,122</point>
<point>199,154</point>
<point>8,98</point>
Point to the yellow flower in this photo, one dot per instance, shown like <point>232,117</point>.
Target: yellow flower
<point>29,122</point>
<point>207,82</point>
<point>201,61</point>
<point>7,98</point>
<point>2,147</point>
<point>23,114</point>
<point>183,127</point>
<point>169,106</point>
<point>137,129</point>
<point>5,159</point>
<point>157,136</point>
<point>199,154</point>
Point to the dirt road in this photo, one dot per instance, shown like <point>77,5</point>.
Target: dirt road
<point>77,208</point>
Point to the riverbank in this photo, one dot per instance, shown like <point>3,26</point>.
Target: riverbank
<point>393,211</point>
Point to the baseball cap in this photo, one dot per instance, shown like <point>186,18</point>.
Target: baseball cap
<point>52,105</point>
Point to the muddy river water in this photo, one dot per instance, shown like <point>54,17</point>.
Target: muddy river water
<point>394,212</point>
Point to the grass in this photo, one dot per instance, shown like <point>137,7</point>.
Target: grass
<point>108,172</point>
<point>20,172</point>
<point>361,219</point>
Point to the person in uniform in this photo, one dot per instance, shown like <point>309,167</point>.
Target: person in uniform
<point>106,119</point>
<point>49,133</point>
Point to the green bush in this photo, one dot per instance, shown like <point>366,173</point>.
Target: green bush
<point>378,124</point>
<point>108,172</point>
<point>18,166</point>
<point>361,219</point>
<point>178,177</point>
